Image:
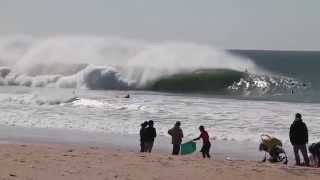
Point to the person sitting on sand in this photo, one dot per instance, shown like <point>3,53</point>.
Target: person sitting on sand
<point>177,135</point>
<point>206,142</point>
<point>314,149</point>
<point>143,136</point>
<point>299,139</point>
<point>151,134</point>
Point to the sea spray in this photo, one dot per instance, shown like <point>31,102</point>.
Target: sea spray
<point>136,61</point>
<point>93,62</point>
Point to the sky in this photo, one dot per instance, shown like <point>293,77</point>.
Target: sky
<point>230,24</point>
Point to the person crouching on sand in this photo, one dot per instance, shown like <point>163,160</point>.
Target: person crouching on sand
<point>206,142</point>
<point>314,149</point>
<point>151,134</point>
<point>177,135</point>
<point>143,136</point>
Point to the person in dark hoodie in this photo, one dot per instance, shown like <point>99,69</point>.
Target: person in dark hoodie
<point>151,134</point>
<point>314,149</point>
<point>177,134</point>
<point>299,139</point>
<point>143,136</point>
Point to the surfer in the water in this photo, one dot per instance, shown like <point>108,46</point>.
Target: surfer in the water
<point>127,96</point>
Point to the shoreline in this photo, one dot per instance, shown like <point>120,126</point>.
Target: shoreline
<point>66,161</point>
<point>220,150</point>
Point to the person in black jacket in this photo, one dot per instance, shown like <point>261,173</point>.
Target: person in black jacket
<point>299,139</point>
<point>143,136</point>
<point>151,134</point>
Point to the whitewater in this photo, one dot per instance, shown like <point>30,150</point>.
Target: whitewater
<point>79,83</point>
<point>106,63</point>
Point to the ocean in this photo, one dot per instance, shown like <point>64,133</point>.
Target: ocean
<point>78,83</point>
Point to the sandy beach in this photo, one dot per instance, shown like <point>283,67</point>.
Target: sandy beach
<point>56,161</point>
<point>86,85</point>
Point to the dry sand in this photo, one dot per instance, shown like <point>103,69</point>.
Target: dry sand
<point>53,161</point>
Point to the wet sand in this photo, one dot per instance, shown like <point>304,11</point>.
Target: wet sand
<point>220,149</point>
<point>66,161</point>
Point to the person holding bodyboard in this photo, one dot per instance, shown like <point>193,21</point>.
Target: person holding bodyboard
<point>206,142</point>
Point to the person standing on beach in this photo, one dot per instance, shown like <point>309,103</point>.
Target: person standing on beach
<point>206,142</point>
<point>299,139</point>
<point>151,134</point>
<point>177,135</point>
<point>143,136</point>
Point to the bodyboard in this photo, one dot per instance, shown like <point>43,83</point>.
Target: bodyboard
<point>188,147</point>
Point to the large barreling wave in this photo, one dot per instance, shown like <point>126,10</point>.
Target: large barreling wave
<point>93,62</point>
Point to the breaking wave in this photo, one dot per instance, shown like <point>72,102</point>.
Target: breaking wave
<point>92,62</point>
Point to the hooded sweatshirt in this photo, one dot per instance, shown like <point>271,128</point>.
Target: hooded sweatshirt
<point>176,134</point>
<point>298,132</point>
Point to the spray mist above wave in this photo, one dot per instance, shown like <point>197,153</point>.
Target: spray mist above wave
<point>116,63</point>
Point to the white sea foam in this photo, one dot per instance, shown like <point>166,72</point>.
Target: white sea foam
<point>88,61</point>
<point>88,102</point>
<point>225,119</point>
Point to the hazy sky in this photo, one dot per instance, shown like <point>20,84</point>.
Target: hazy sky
<point>245,24</point>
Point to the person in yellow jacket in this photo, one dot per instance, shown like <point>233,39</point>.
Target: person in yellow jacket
<point>273,146</point>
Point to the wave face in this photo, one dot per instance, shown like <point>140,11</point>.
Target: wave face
<point>207,81</point>
<point>92,62</point>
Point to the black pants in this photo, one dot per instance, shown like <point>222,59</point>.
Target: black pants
<point>148,146</point>
<point>304,152</point>
<point>142,146</point>
<point>206,149</point>
<point>176,149</point>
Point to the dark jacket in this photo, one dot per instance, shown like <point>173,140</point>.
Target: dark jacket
<point>150,134</point>
<point>143,134</point>
<point>314,148</point>
<point>176,134</point>
<point>298,133</point>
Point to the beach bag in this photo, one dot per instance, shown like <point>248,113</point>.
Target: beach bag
<point>188,147</point>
